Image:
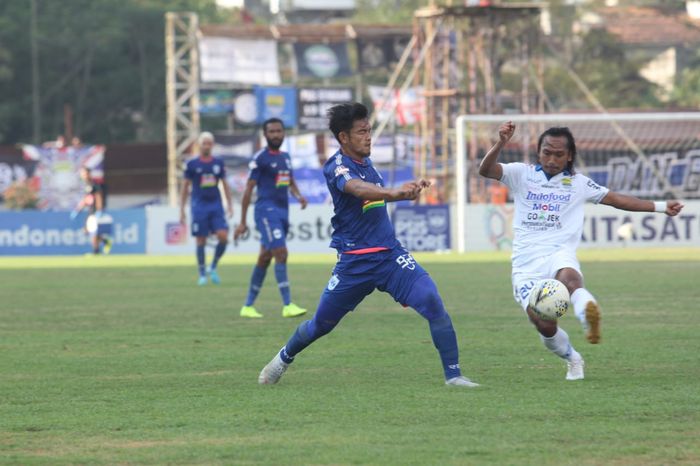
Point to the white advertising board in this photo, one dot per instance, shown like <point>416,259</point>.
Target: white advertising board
<point>309,231</point>
<point>489,227</point>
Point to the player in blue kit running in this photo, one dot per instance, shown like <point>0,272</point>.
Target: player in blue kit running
<point>370,256</point>
<point>203,174</point>
<point>271,172</point>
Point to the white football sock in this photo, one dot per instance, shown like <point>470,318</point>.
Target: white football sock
<point>559,344</point>
<point>579,299</point>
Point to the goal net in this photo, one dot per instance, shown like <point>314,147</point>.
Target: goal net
<point>648,155</point>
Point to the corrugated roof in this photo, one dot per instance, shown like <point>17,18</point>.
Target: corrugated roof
<point>650,26</point>
<point>305,32</point>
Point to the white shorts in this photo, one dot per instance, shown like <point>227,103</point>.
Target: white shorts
<point>538,269</point>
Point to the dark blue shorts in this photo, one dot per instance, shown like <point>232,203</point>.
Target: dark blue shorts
<point>207,221</point>
<point>355,276</point>
<point>273,226</point>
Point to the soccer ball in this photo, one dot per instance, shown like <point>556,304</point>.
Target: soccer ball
<point>549,299</point>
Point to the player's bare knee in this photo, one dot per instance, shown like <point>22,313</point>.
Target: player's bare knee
<point>570,278</point>
<point>546,328</point>
<point>264,259</point>
<point>280,255</point>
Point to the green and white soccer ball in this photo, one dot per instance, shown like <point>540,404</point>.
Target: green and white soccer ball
<point>549,299</point>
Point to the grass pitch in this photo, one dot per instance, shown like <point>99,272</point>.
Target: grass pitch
<point>125,360</point>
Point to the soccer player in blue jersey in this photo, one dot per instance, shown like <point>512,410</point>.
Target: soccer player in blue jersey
<point>271,172</point>
<point>203,174</point>
<point>370,256</point>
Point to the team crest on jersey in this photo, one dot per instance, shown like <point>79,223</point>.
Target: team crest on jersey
<point>333,282</point>
<point>341,170</point>
<point>208,180</point>
<point>216,169</point>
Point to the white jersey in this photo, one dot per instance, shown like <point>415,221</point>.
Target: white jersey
<point>548,213</point>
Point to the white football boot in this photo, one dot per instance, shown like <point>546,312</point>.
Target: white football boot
<point>272,372</point>
<point>574,369</point>
<point>461,381</point>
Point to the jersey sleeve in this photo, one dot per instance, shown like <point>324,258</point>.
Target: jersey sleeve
<point>189,171</point>
<point>340,174</point>
<point>289,165</point>
<point>513,174</point>
<point>222,170</point>
<point>592,191</point>
<point>254,168</point>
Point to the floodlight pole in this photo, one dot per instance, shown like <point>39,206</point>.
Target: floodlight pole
<point>182,92</point>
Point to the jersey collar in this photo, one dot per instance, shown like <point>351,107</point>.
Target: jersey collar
<point>538,168</point>
<point>362,163</point>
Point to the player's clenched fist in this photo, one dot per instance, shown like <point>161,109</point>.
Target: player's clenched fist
<point>505,131</point>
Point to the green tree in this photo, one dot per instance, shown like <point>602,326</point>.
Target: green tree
<point>103,58</point>
<point>601,63</point>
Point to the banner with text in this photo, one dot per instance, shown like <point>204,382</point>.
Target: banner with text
<point>309,231</point>
<point>423,227</point>
<point>246,61</point>
<point>33,233</point>
<point>314,102</point>
<point>490,227</point>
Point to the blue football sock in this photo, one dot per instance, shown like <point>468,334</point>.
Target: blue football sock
<point>282,282</point>
<point>200,260</point>
<point>256,282</point>
<point>218,252</point>
<point>425,299</point>
<point>445,341</point>
<point>325,320</point>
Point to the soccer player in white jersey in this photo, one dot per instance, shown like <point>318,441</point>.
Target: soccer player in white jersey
<point>548,223</point>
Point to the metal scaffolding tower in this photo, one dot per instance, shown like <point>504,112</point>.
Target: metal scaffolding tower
<point>182,92</point>
<point>467,48</point>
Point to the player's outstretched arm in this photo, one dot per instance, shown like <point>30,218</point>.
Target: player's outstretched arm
<point>634,204</point>
<point>296,193</point>
<point>183,200</point>
<point>245,202</point>
<point>229,198</point>
<point>371,192</point>
<point>489,167</point>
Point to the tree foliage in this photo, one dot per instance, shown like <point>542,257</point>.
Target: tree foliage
<point>103,58</point>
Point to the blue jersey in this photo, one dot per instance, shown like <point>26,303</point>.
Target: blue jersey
<point>272,172</point>
<point>205,178</point>
<point>357,224</point>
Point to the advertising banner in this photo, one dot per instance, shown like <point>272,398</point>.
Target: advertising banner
<point>314,102</point>
<point>423,227</point>
<point>14,168</point>
<point>215,102</point>
<point>381,52</point>
<point>629,174</point>
<point>490,227</point>
<point>54,233</point>
<point>309,231</point>
<point>322,60</point>
<point>277,102</point>
<point>246,61</point>
<point>56,173</point>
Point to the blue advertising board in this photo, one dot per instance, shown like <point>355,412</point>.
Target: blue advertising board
<point>277,102</point>
<point>34,233</point>
<point>423,227</point>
